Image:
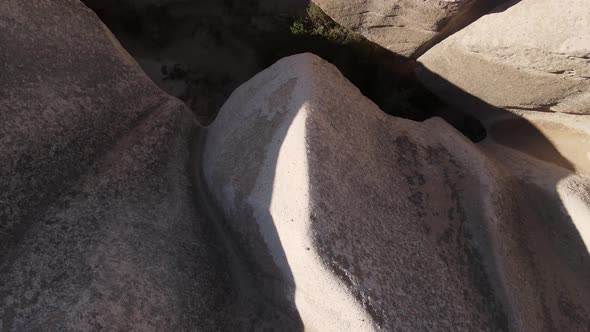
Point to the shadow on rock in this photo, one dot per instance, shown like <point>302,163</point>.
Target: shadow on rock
<point>390,220</point>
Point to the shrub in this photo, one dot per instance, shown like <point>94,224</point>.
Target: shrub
<point>317,23</point>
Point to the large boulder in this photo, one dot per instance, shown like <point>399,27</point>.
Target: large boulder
<point>99,223</point>
<point>406,27</point>
<point>376,222</point>
<point>530,55</point>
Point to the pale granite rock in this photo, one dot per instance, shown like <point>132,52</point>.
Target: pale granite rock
<point>530,55</point>
<point>376,222</point>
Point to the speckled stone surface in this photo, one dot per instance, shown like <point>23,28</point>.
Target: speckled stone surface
<point>100,228</point>
<point>382,223</point>
<point>314,209</point>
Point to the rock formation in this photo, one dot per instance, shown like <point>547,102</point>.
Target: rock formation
<point>99,225</point>
<point>376,222</point>
<point>303,206</point>
<point>529,55</point>
<point>406,27</point>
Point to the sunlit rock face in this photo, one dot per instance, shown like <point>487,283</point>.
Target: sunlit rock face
<point>529,55</point>
<point>197,50</point>
<point>374,222</point>
<point>406,27</point>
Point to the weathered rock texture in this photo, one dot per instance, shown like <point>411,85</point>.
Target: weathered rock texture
<point>406,27</point>
<point>380,222</point>
<point>333,216</point>
<point>99,225</point>
<point>534,54</point>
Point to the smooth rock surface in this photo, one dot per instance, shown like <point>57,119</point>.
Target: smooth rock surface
<point>531,55</point>
<point>375,222</point>
<point>197,51</point>
<point>406,27</point>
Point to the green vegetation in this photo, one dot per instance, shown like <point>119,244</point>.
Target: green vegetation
<point>317,23</point>
<point>382,76</point>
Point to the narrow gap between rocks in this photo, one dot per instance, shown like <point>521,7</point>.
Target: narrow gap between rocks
<point>201,51</point>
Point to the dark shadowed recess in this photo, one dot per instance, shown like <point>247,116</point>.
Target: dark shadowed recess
<point>200,51</point>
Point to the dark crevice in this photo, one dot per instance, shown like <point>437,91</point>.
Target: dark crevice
<point>201,51</point>
<point>541,108</point>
